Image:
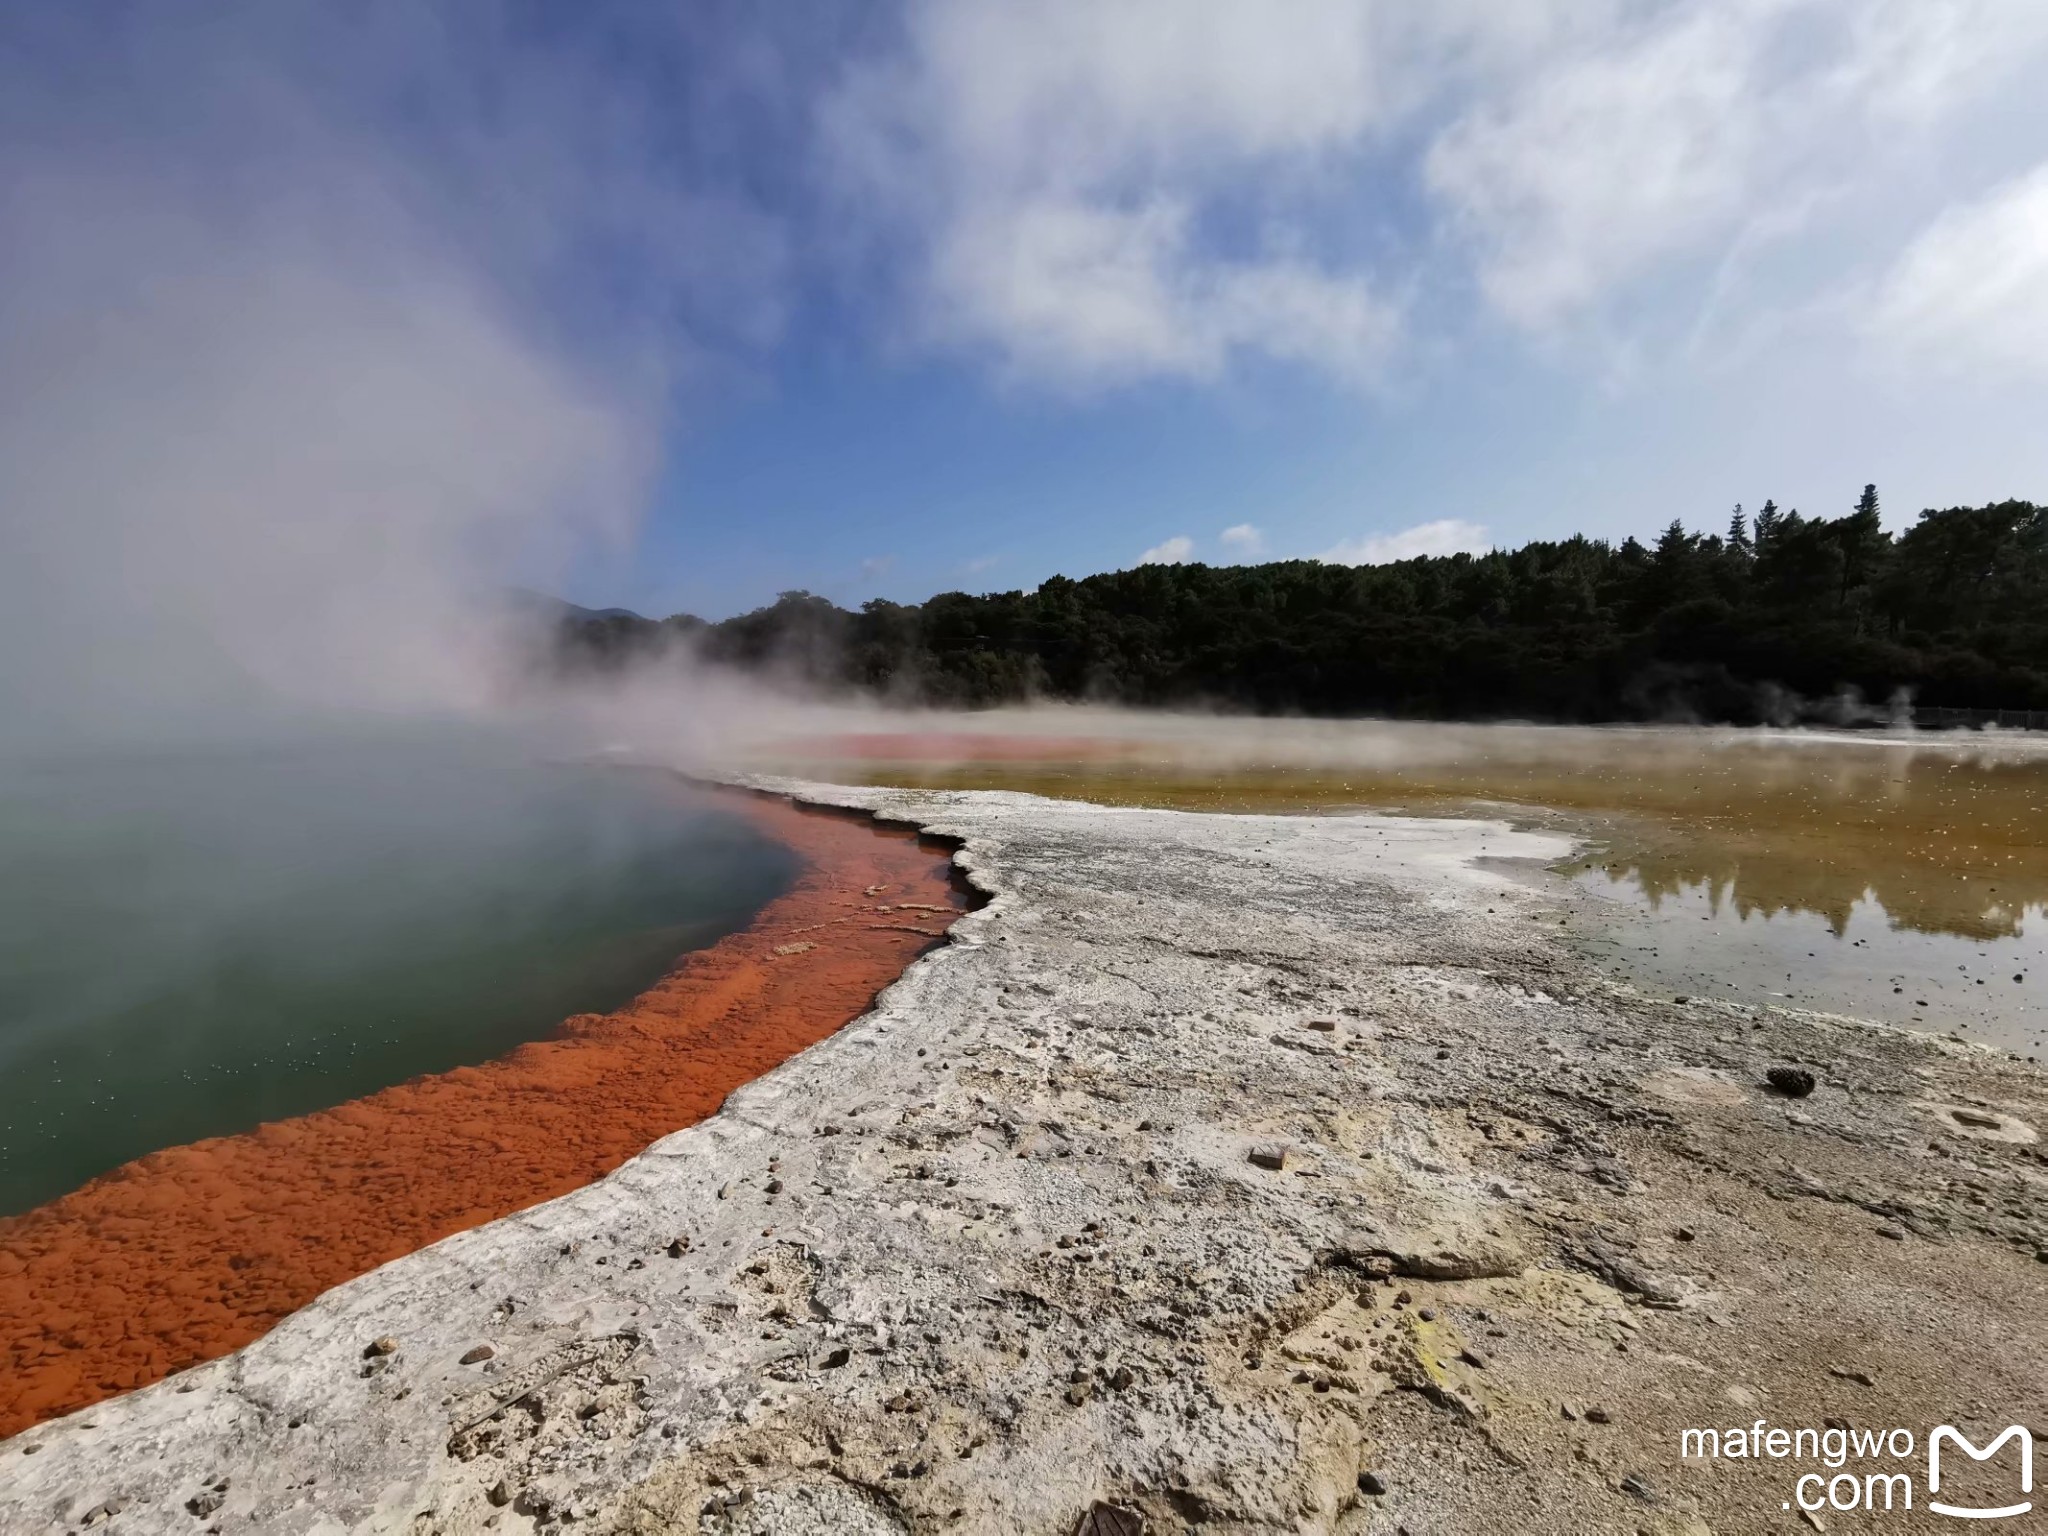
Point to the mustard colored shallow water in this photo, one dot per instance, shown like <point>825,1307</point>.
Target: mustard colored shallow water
<point>1898,878</point>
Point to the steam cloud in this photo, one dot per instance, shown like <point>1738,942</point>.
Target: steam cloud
<point>283,412</point>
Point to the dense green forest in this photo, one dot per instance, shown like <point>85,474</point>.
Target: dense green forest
<point>1776,617</point>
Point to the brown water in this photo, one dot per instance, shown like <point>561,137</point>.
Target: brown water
<point>1897,878</point>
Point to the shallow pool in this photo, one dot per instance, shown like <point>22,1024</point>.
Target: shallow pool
<point>195,941</point>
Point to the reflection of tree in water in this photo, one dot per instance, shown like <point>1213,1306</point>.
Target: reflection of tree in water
<point>1949,837</point>
<point>1942,844</point>
<point>1764,882</point>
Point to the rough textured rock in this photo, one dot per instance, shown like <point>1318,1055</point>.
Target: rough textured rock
<point>1020,1268</point>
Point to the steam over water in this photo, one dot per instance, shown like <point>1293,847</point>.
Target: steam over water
<point>197,939</point>
<point>1897,877</point>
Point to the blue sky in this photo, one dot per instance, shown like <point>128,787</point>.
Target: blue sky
<point>676,306</point>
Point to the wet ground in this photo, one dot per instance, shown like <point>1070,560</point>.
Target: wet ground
<point>1901,878</point>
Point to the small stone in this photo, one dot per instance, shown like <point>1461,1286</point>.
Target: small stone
<point>1372,1483</point>
<point>1896,1234</point>
<point>377,1348</point>
<point>1272,1158</point>
<point>499,1494</point>
<point>1598,1416</point>
<point>1123,1378</point>
<point>1571,1411</point>
<point>1101,1519</point>
<point>1427,1314</point>
<point>775,1186</point>
<point>1639,1486</point>
<point>1843,1373</point>
<point>1685,1234</point>
<point>1474,1358</point>
<point>1324,1026</point>
<point>678,1247</point>
<point>1078,1393</point>
<point>205,1502</point>
<point>478,1355</point>
<point>837,1358</point>
<point>1793,1082</point>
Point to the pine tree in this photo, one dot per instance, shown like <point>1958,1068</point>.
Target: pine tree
<point>1768,521</point>
<point>1861,538</point>
<point>1738,533</point>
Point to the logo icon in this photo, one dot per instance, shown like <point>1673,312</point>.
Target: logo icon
<point>2017,1432</point>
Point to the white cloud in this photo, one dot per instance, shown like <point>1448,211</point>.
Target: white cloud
<point>1173,551</point>
<point>1245,539</point>
<point>1596,168</point>
<point>1091,195</point>
<point>1083,295</point>
<point>1056,167</point>
<point>1695,129</point>
<point>1446,536</point>
<point>980,563</point>
<point>877,566</point>
<point>1972,289</point>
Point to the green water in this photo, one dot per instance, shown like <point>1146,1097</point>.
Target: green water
<point>194,942</point>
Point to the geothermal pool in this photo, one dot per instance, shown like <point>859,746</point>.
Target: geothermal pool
<point>1897,877</point>
<point>193,942</point>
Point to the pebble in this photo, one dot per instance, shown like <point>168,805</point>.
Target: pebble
<point>1273,1159</point>
<point>1598,1416</point>
<point>478,1355</point>
<point>1474,1358</point>
<point>1793,1082</point>
<point>1372,1483</point>
<point>380,1347</point>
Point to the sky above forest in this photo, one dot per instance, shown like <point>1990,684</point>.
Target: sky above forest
<point>675,306</point>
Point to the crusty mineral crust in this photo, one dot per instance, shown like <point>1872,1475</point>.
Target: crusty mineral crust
<point>997,1257</point>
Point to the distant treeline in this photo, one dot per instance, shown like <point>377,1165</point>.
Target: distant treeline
<point>1778,617</point>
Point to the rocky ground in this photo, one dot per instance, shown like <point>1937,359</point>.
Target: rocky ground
<point>1250,1173</point>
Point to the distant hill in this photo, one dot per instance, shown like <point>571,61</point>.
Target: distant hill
<point>1778,618</point>
<point>546,606</point>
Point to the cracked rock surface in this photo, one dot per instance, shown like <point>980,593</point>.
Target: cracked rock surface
<point>1254,1173</point>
